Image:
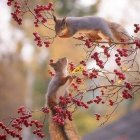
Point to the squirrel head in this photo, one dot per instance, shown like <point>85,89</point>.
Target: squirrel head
<point>60,65</point>
<point>60,26</point>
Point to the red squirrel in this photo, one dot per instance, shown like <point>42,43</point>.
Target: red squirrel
<point>57,87</point>
<point>96,28</point>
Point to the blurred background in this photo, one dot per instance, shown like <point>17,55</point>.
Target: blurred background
<point>24,66</point>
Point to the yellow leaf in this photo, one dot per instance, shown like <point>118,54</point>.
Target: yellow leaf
<point>78,69</point>
<point>119,81</point>
<point>128,69</point>
<point>125,69</point>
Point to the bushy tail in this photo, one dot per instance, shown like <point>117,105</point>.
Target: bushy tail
<point>57,131</point>
<point>70,130</point>
<point>120,34</point>
<point>119,31</point>
<point>62,132</point>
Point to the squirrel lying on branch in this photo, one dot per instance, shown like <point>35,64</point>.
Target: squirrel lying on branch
<point>95,28</point>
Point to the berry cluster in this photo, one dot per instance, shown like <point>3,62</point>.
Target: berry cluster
<point>39,42</point>
<point>122,52</point>
<point>128,85</point>
<point>70,99</point>
<point>85,73</point>
<point>83,63</point>
<point>106,51</point>
<point>74,85</point>
<point>126,94</point>
<point>37,39</point>
<point>80,103</point>
<point>118,59</point>
<point>24,119</point>
<point>2,136</point>
<point>65,100</point>
<point>90,101</point>
<point>71,66</point>
<point>93,74</point>
<point>39,133</point>
<point>99,62</point>
<point>137,28</point>
<point>18,13</point>
<point>102,92</point>
<point>45,110</point>
<point>39,10</point>
<point>137,43</point>
<point>96,100</point>
<point>120,75</point>
<point>88,43</point>
<point>9,2</point>
<point>78,80</point>
<point>61,114</point>
<point>47,43</point>
<point>98,116</point>
<point>111,103</point>
<point>112,81</point>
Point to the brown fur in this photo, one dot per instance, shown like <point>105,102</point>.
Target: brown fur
<point>110,31</point>
<point>119,33</point>
<point>58,86</point>
<point>66,132</point>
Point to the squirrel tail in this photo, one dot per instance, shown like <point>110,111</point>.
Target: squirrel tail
<point>62,132</point>
<point>70,130</point>
<point>57,132</point>
<point>120,33</point>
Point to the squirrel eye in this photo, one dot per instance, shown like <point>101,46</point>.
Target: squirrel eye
<point>62,27</point>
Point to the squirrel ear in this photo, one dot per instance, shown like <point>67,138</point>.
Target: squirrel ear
<point>64,20</point>
<point>54,18</point>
